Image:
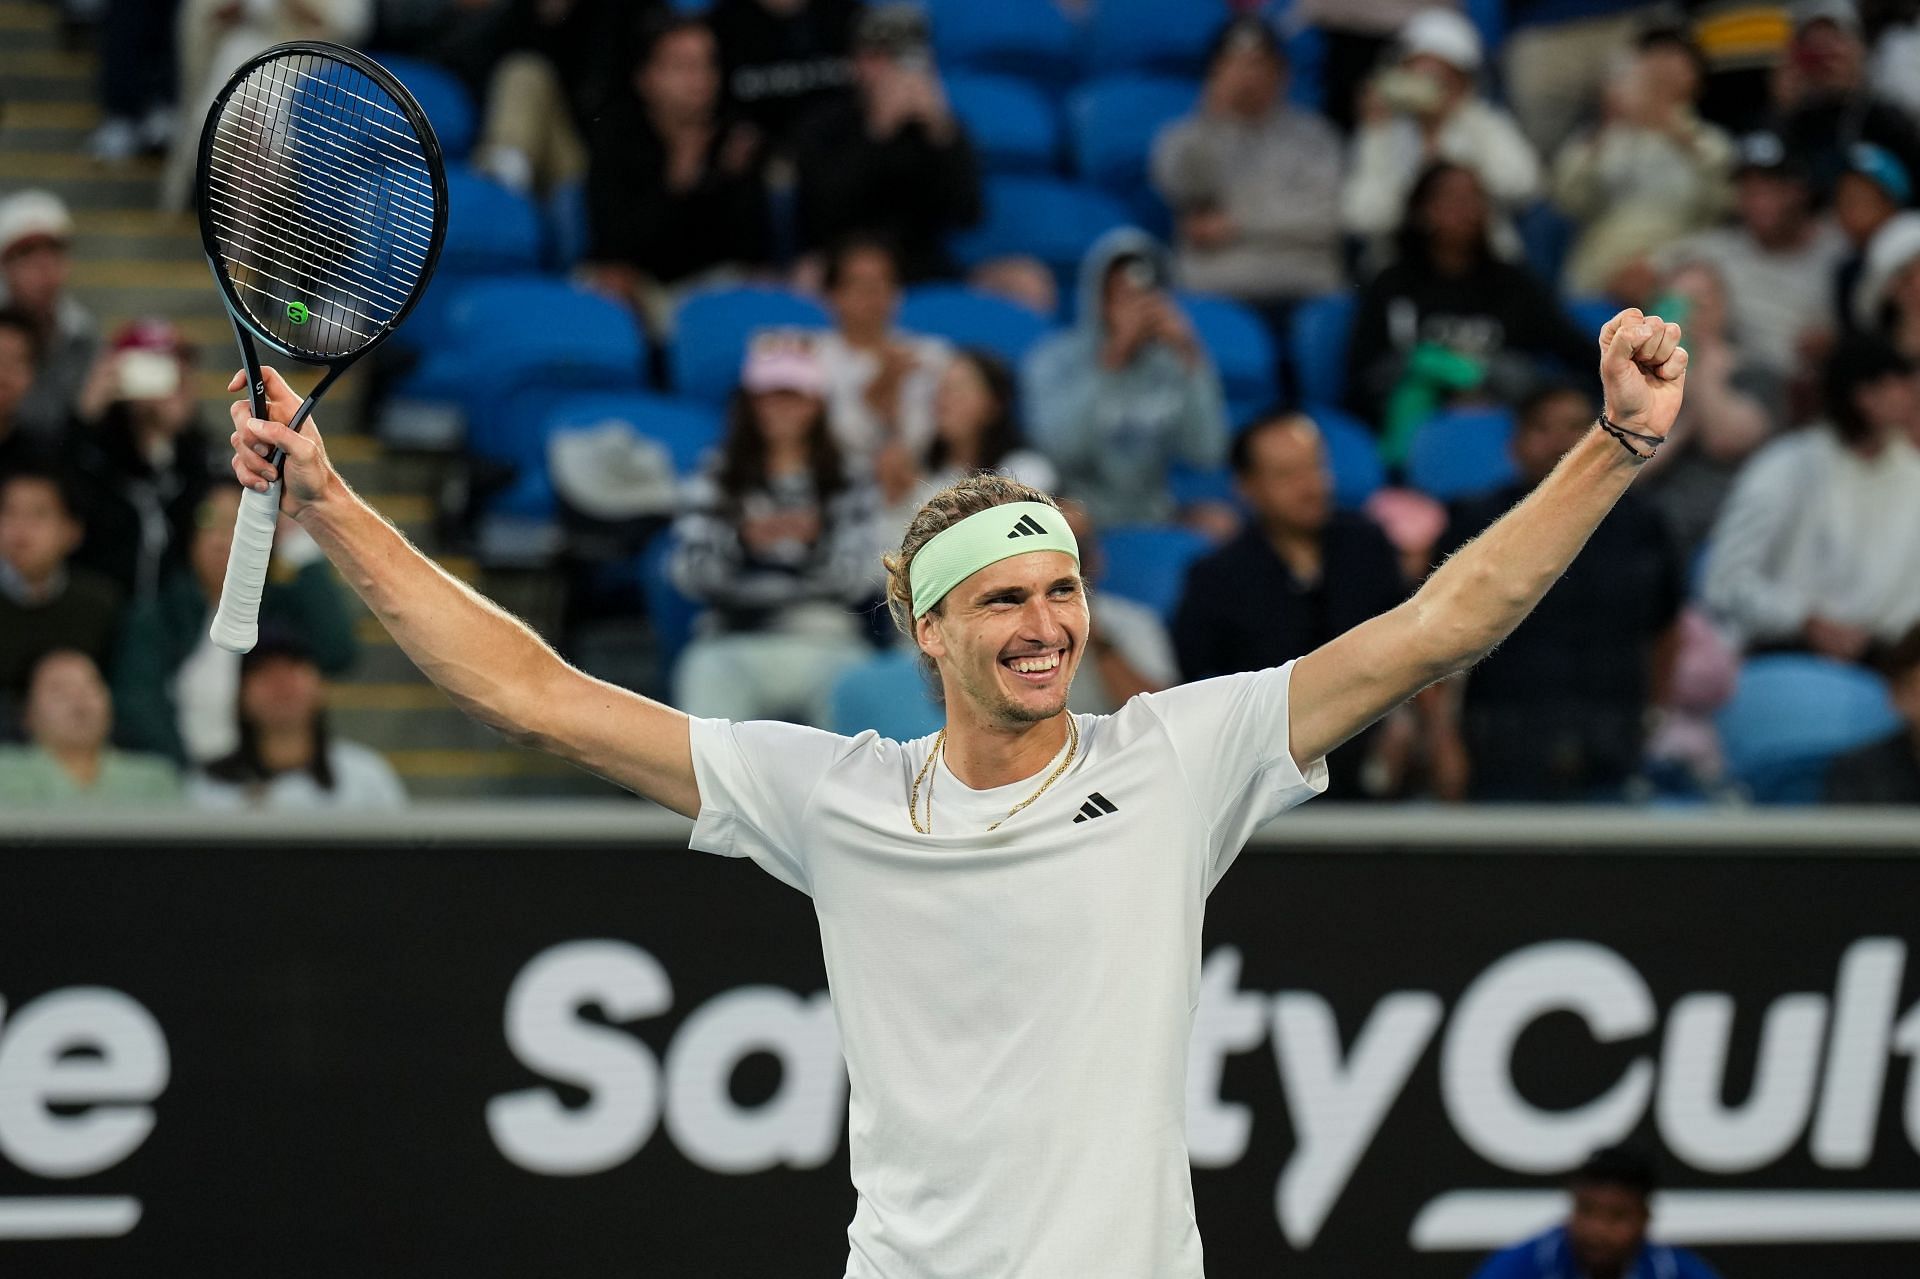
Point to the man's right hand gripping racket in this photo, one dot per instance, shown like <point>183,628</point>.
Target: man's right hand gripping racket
<point>323,205</point>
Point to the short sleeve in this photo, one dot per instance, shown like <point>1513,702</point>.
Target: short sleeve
<point>757,780</point>
<point>1230,739</point>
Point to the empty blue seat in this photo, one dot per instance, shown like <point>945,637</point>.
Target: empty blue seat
<point>670,615</point>
<point>1352,455</point>
<point>1462,453</point>
<point>688,429</point>
<point>888,694</point>
<point>1012,125</point>
<point>712,329</point>
<point>1318,338</point>
<point>1545,236</point>
<point>1113,121</point>
<point>1242,349</point>
<point>1192,485</point>
<point>1792,714</point>
<point>1306,68</point>
<point>1018,37</point>
<point>442,96</point>
<point>1050,218</point>
<point>966,317</point>
<point>1164,35</point>
<point>1148,563</point>
<point>490,229</point>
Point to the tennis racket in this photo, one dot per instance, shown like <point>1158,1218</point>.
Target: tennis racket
<point>323,204</point>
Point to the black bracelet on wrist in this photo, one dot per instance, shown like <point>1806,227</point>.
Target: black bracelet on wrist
<point>1626,437</point>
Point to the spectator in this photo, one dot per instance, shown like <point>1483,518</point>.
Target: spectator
<point>68,761</point>
<point>1254,182</point>
<point>1734,405</point>
<point>559,62</point>
<point>1449,316</point>
<point>974,429</point>
<point>1298,575</point>
<point>1888,771</point>
<point>19,364</point>
<point>1357,34</point>
<point>1557,712</point>
<point>136,79</point>
<point>675,192</point>
<point>781,550</point>
<point>1651,171</point>
<point>1777,260</point>
<point>880,380</point>
<point>215,37</point>
<point>1886,301</point>
<point>1823,101</point>
<point>892,161</point>
<point>45,602</point>
<point>1423,110</point>
<point>35,231</point>
<point>1867,200</point>
<point>288,759</point>
<point>1561,57</point>
<point>174,685</point>
<point>1128,649</point>
<point>1816,546</point>
<point>1128,390</point>
<point>1605,1236</point>
<point>782,60</point>
<point>144,456</point>
<point>1893,67</point>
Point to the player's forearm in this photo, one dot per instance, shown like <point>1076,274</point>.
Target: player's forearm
<point>1488,587</point>
<point>490,663</point>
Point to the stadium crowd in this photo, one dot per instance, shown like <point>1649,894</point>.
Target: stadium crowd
<point>1288,302</point>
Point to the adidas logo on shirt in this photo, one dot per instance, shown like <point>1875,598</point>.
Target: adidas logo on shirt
<point>1027,527</point>
<point>1097,805</point>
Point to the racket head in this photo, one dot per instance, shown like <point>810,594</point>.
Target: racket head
<point>322,199</point>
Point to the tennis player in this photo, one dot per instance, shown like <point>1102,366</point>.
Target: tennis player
<point>1010,910</point>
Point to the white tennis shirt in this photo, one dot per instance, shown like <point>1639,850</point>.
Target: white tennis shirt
<point>1015,1006</point>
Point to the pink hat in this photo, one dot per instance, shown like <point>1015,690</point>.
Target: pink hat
<point>782,362</point>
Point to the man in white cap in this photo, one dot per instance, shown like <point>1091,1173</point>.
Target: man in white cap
<point>1424,107</point>
<point>35,232</point>
<point>1010,910</point>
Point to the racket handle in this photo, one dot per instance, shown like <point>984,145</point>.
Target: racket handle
<point>236,623</point>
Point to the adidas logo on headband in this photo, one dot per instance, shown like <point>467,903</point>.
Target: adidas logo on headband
<point>1027,527</point>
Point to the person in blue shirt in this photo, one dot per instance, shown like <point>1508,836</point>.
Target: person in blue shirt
<point>1605,1235</point>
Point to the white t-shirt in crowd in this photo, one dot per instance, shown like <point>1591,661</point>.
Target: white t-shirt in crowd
<point>849,371</point>
<point>363,781</point>
<point>1015,1006</point>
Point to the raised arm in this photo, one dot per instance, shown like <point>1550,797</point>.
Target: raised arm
<point>490,663</point>
<point>1488,587</point>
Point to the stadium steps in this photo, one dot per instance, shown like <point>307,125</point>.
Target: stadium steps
<point>131,260</point>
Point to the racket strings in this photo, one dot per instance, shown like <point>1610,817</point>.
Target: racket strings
<point>321,201</point>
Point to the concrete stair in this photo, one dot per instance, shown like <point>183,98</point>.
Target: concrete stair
<point>131,260</point>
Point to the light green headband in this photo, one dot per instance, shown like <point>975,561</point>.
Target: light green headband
<point>986,537</point>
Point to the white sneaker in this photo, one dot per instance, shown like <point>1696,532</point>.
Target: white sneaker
<point>115,142</point>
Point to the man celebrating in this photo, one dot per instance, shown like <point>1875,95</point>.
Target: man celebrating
<point>1010,910</point>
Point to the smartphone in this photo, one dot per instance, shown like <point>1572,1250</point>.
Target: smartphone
<point>148,375</point>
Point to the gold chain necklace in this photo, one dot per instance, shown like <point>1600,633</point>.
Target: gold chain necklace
<point>926,769</point>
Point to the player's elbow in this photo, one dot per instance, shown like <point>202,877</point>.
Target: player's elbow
<point>1461,614</point>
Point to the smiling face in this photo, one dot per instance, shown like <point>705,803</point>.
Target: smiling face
<point>1008,639</point>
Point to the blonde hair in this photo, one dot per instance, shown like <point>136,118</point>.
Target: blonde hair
<point>969,496</point>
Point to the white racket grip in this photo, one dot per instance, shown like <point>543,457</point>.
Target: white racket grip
<point>236,623</point>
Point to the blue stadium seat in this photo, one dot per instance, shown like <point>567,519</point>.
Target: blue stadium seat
<point>670,614</point>
<point>886,693</point>
<point>1242,349</point>
<point>1352,455</point>
<point>1462,453</point>
<point>504,336</point>
<point>1162,35</point>
<point>688,429</point>
<point>1791,714</point>
<point>1013,126</point>
<point>569,230</point>
<point>1017,37</point>
<point>1545,236</point>
<point>1321,327</point>
<point>1590,314</point>
<point>490,229</point>
<point>1148,563</point>
<point>441,95</point>
<point>1113,121</point>
<point>1191,485</point>
<point>1306,68</point>
<point>966,317</point>
<point>712,329</point>
<point>1050,218</point>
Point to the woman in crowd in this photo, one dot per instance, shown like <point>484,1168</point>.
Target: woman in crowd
<point>975,428</point>
<point>1449,317</point>
<point>781,547</point>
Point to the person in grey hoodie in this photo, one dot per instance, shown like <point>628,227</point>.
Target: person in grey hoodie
<point>1128,390</point>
